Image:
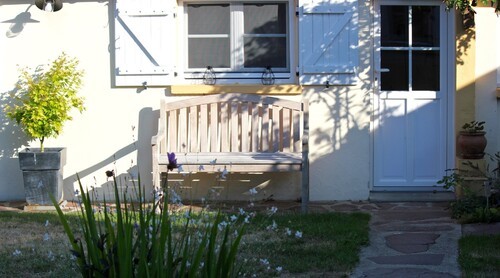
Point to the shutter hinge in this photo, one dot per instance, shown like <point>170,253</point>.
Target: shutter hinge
<point>297,71</point>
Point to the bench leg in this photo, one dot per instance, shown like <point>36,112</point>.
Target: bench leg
<point>305,186</point>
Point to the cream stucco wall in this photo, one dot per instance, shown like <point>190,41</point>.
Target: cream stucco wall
<point>487,63</point>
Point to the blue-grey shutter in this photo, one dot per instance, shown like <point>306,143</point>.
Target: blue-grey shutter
<point>328,42</point>
<point>144,42</point>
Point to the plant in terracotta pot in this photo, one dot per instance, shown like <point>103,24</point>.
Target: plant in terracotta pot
<point>471,140</point>
<point>41,104</point>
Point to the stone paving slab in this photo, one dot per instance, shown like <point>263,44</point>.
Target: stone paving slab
<point>413,259</point>
<point>411,242</point>
<point>406,273</point>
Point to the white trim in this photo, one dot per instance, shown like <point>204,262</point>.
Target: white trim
<point>498,54</point>
<point>238,75</point>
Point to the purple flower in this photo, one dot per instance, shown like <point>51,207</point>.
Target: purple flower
<point>172,161</point>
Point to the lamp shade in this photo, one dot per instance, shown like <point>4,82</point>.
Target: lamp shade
<point>57,4</point>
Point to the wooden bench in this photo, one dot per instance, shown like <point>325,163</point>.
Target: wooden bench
<point>236,132</point>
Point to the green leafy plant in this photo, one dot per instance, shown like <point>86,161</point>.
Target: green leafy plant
<point>473,127</point>
<point>135,239</point>
<point>465,6</point>
<point>474,207</point>
<point>42,100</point>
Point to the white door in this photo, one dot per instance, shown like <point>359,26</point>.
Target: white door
<point>410,121</point>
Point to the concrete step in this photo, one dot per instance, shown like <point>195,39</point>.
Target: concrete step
<point>411,196</point>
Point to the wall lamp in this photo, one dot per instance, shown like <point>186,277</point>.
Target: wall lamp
<point>49,5</point>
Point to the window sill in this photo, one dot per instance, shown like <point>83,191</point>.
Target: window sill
<point>249,89</point>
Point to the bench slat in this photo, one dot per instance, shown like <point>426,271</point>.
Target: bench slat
<point>224,125</point>
<point>286,131</point>
<point>172,129</point>
<point>234,132</point>
<point>255,129</point>
<point>214,127</point>
<point>265,128</point>
<point>182,144</point>
<point>245,134</point>
<point>204,128</point>
<point>193,129</point>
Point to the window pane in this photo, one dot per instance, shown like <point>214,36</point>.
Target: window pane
<point>205,52</point>
<point>265,18</point>
<point>425,25</point>
<point>394,25</point>
<point>425,70</point>
<point>261,52</point>
<point>397,77</point>
<point>208,19</point>
<point>208,32</point>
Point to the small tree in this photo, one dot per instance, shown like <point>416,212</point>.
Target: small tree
<point>42,100</point>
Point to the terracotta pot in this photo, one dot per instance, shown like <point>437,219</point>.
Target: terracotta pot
<point>471,145</point>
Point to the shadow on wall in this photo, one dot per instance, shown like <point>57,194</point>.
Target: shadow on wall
<point>147,126</point>
<point>19,22</point>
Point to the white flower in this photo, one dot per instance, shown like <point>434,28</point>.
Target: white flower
<point>223,173</point>
<point>242,211</point>
<point>213,162</point>
<point>264,261</point>
<point>272,211</point>
<point>46,237</point>
<point>298,234</point>
<point>16,253</point>
<point>279,269</point>
<point>253,191</point>
<point>222,225</point>
<point>288,232</point>
<point>51,256</point>
<point>273,226</point>
<point>247,219</point>
<point>234,217</point>
<point>180,169</point>
<point>46,223</point>
<point>201,168</point>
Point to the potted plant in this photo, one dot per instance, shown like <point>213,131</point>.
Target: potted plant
<point>41,104</point>
<point>471,141</point>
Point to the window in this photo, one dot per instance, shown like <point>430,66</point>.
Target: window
<point>239,40</point>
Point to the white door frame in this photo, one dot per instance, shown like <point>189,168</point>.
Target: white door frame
<point>450,45</point>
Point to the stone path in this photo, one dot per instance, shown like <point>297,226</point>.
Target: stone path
<point>410,240</point>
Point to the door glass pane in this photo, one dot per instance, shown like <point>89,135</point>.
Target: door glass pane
<point>265,38</point>
<point>394,25</point>
<point>208,36</point>
<point>425,69</point>
<point>425,25</point>
<point>397,77</point>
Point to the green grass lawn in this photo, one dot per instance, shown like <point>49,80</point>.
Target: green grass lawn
<point>480,256</point>
<point>34,245</point>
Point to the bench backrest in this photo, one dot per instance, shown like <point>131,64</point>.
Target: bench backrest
<point>234,122</point>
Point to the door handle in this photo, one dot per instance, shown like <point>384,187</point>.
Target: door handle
<point>382,70</point>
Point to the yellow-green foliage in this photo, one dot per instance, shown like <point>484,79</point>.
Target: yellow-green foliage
<point>42,100</point>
